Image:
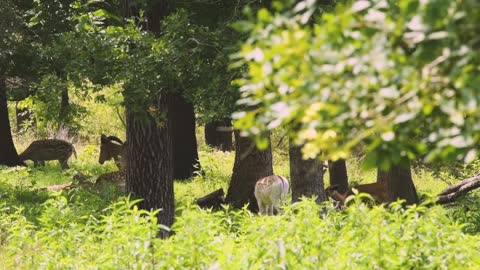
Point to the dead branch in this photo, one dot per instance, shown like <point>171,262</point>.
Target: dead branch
<point>453,192</point>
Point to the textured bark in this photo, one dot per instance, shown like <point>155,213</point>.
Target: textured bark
<point>185,153</point>
<point>400,184</point>
<point>218,134</point>
<point>338,175</point>
<point>149,173</point>
<point>306,176</point>
<point>250,165</point>
<point>8,153</point>
<point>382,176</point>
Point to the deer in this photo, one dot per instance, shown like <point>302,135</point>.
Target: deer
<point>40,151</point>
<point>377,190</point>
<point>112,147</point>
<point>270,191</point>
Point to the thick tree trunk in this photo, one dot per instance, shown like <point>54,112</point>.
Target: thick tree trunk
<point>400,183</point>
<point>185,153</point>
<point>338,175</point>
<point>382,176</point>
<point>8,153</point>
<point>250,165</point>
<point>149,173</point>
<point>306,176</point>
<point>218,134</point>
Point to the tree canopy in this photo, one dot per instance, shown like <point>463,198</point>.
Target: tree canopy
<point>399,77</point>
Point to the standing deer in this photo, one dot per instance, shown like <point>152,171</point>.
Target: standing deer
<point>49,149</point>
<point>269,192</point>
<point>112,147</point>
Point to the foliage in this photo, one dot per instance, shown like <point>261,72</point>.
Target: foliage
<point>377,73</point>
<point>124,237</point>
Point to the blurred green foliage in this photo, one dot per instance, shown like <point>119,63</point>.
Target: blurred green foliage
<point>399,77</point>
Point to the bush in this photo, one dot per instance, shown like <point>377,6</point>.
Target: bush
<point>306,236</point>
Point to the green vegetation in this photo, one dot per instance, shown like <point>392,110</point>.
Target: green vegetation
<point>87,229</point>
<point>373,73</point>
<point>387,85</point>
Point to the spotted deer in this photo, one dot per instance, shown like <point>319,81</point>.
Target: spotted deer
<point>112,147</point>
<point>270,191</point>
<point>116,178</point>
<point>49,149</point>
<point>377,190</point>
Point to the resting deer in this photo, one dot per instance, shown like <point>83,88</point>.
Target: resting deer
<point>269,192</point>
<point>377,190</point>
<point>112,147</point>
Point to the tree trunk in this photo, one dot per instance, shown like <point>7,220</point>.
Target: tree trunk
<point>338,175</point>
<point>64,108</point>
<point>8,153</point>
<point>250,165</point>
<point>218,134</point>
<point>149,173</point>
<point>382,176</point>
<point>185,153</point>
<point>400,184</point>
<point>24,115</point>
<point>306,176</point>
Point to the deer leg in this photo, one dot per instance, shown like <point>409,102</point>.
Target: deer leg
<point>64,164</point>
<point>261,208</point>
<point>276,206</point>
<point>270,210</point>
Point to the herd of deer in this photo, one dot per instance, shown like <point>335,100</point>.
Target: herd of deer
<point>111,147</point>
<point>269,191</point>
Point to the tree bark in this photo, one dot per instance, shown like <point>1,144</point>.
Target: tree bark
<point>218,134</point>
<point>185,153</point>
<point>64,108</point>
<point>306,176</point>
<point>400,184</point>
<point>382,176</point>
<point>149,173</point>
<point>8,153</point>
<point>338,175</point>
<point>250,165</point>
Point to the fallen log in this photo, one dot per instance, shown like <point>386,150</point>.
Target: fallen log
<point>60,187</point>
<point>213,200</point>
<point>453,192</point>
